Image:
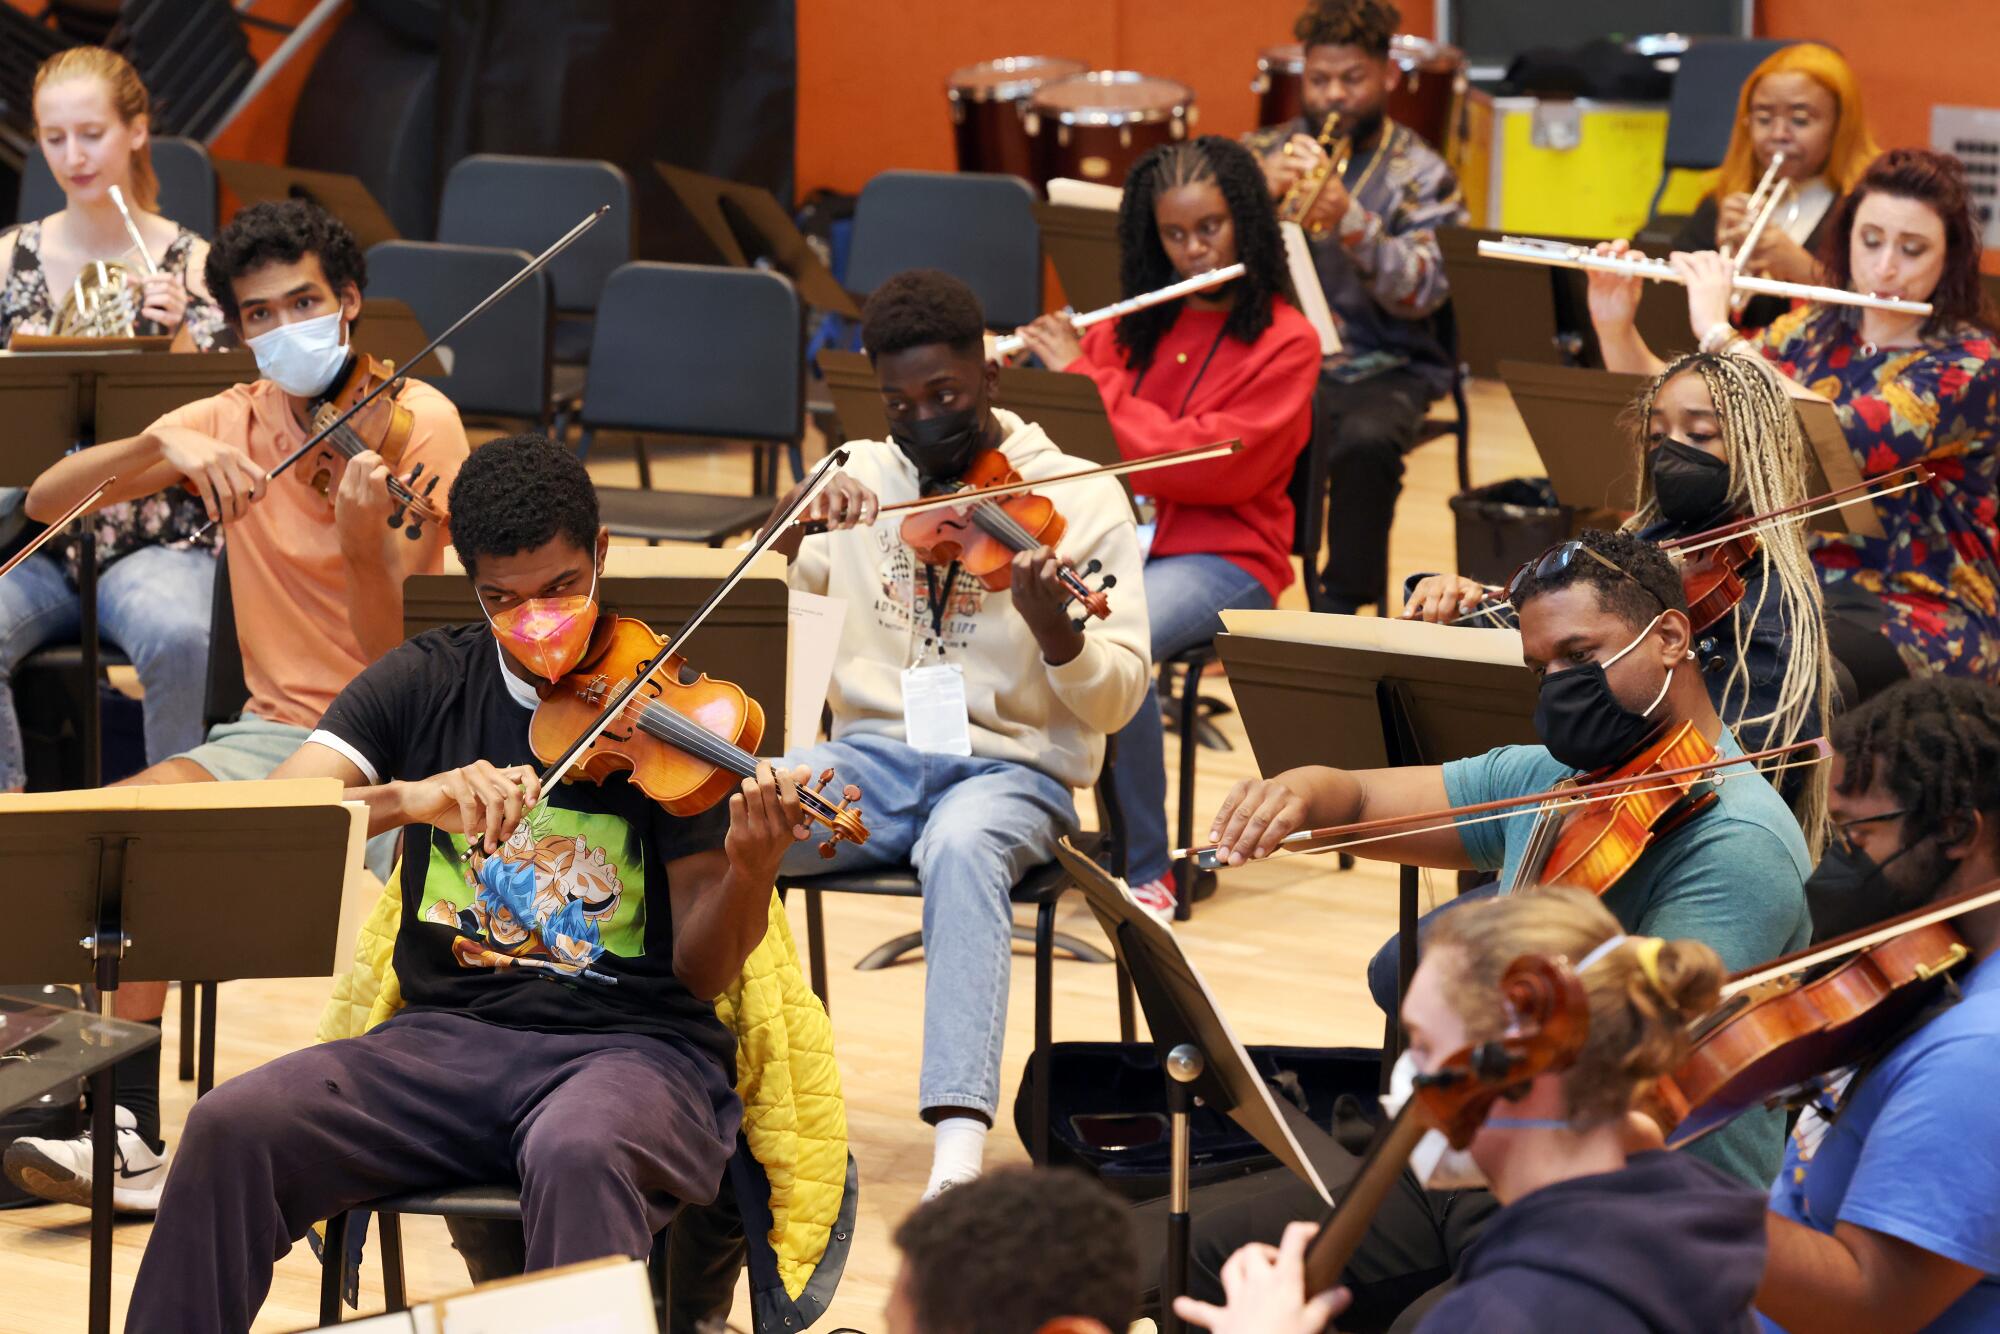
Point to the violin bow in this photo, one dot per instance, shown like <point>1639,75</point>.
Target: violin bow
<point>1867,937</point>
<point>1309,841</point>
<point>943,500</point>
<point>68,516</point>
<point>1872,489</point>
<point>528,270</point>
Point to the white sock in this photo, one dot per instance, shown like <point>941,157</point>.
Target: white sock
<point>961,1144</point>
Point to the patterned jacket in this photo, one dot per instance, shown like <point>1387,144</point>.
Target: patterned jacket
<point>1380,265</point>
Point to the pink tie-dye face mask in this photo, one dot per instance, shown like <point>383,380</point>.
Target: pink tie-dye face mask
<point>548,636</point>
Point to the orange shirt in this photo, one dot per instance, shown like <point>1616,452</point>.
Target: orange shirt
<point>287,577</point>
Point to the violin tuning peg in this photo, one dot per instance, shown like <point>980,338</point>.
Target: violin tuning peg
<point>417,472</point>
<point>850,792</point>
<point>826,850</point>
<point>1109,581</point>
<point>1078,622</point>
<point>429,486</point>
<point>825,777</point>
<point>1093,565</point>
<point>414,531</point>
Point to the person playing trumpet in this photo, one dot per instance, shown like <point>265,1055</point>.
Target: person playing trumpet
<point>1372,230</point>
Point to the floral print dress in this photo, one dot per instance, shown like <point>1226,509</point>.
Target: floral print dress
<point>170,518</point>
<point>1938,404</point>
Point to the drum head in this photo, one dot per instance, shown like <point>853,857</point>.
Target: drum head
<point>1009,78</point>
<point>1113,97</point>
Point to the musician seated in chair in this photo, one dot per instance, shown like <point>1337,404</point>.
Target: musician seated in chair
<point>1237,362</point>
<point>1886,1215</point>
<point>967,715</point>
<point>316,575</point>
<point>155,576</point>
<point>1596,1231</point>
<point>1604,625</point>
<point>593,1068</point>
<point>1373,235</point>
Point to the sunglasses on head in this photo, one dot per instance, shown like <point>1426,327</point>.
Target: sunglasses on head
<point>1558,558</point>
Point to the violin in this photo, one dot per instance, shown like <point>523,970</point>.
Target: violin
<point>1644,798</point>
<point>1548,1019</point>
<point>1786,1024</point>
<point>384,428</point>
<point>686,744</point>
<point>1712,579</point>
<point>984,536</point>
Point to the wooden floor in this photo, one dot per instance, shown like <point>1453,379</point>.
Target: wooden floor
<point>1284,946</point>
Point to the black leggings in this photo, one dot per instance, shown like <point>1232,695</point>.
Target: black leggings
<point>1865,662</point>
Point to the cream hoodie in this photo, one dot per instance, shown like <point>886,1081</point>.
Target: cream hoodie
<point>1021,708</point>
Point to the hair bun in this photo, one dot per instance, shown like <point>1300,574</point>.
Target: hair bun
<point>1688,977</point>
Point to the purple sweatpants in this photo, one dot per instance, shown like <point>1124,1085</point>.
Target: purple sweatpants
<point>607,1133</point>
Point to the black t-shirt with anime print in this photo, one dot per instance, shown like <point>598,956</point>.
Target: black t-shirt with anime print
<point>569,927</point>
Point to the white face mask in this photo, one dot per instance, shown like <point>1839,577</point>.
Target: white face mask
<point>302,358</point>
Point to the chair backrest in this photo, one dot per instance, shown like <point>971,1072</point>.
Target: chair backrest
<point>697,350</point>
<point>227,692</point>
<point>524,203</point>
<point>1701,113</point>
<point>979,228</point>
<point>500,361</point>
<point>187,185</point>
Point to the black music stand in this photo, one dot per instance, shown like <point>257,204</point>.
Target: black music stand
<point>342,195</point>
<point>1576,418</point>
<point>1361,708</point>
<point>54,402</point>
<point>136,883</point>
<point>752,231</point>
<point>1083,245</point>
<point>1067,406</point>
<point>1505,308</point>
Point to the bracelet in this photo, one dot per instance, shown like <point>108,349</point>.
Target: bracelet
<point>1719,336</point>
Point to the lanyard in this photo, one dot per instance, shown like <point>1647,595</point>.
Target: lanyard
<point>1200,371</point>
<point>939,601</point>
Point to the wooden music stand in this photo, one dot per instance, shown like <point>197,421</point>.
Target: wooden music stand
<point>1083,245</point>
<point>752,231</point>
<point>136,876</point>
<point>390,331</point>
<point>1575,416</point>
<point>1308,698</point>
<point>339,194</point>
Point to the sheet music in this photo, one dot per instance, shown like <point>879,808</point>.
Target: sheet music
<point>1085,194</point>
<point>1305,281</point>
<point>814,643</point>
<point>1457,643</point>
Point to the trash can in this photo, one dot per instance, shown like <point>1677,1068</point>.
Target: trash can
<point>1502,524</point>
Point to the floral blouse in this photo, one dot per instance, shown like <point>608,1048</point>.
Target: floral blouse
<point>170,518</point>
<point>1939,403</point>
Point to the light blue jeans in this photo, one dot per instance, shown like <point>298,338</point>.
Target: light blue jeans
<point>1185,596</point>
<point>153,603</point>
<point>972,827</point>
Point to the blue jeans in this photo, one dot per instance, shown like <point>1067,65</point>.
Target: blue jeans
<point>1185,596</point>
<point>972,827</point>
<point>153,603</point>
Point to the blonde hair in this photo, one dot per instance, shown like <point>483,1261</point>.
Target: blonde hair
<point>128,99</point>
<point>1766,451</point>
<point>1642,994</point>
<point>1853,147</point>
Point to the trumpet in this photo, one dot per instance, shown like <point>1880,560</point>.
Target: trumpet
<point>1297,205</point>
<point>1007,346</point>
<point>1562,255</point>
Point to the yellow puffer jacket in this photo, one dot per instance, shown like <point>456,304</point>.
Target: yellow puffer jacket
<point>794,1118</point>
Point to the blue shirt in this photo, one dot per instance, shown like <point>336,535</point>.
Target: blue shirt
<point>1733,878</point>
<point>1932,1176</point>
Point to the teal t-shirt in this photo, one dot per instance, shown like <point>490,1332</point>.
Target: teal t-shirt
<point>1732,878</point>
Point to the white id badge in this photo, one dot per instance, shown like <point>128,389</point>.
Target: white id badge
<point>934,717</point>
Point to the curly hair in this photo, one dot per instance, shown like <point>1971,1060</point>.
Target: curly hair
<point>1018,1248</point>
<point>1933,742</point>
<point>1638,1014</point>
<point>282,232</point>
<point>917,307</point>
<point>1143,265</point>
<point>1936,180</point>
<point>1637,600</point>
<point>1766,450</point>
<point>516,493</point>
<point>1368,24</point>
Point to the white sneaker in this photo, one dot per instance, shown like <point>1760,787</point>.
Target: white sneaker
<point>59,1169</point>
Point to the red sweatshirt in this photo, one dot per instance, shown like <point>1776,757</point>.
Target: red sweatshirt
<point>1237,507</point>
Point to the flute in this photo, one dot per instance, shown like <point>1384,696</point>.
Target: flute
<point>1561,255</point>
<point>1201,282</point>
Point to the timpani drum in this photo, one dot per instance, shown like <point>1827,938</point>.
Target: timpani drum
<point>989,111</point>
<point>1428,100</point>
<point>1093,127</point>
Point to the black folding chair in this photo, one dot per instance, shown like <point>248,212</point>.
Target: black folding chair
<point>979,228</point>
<point>187,185</point>
<point>1701,110</point>
<point>499,363</point>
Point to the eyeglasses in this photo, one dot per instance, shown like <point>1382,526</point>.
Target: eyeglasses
<point>1837,832</point>
<point>1559,558</point>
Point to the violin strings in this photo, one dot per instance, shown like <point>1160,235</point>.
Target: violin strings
<point>700,743</point>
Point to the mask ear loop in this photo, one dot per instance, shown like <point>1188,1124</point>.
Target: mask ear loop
<point>1612,661</point>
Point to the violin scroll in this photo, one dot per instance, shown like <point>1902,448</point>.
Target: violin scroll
<point>1548,1018</point>
<point>842,818</point>
<point>1092,600</point>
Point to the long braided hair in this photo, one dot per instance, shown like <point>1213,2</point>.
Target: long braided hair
<point>1143,265</point>
<point>1767,471</point>
<point>1934,742</point>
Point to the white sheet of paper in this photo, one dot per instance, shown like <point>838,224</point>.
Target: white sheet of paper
<point>934,716</point>
<point>1305,280</point>
<point>814,643</point>
<point>1085,194</point>
<point>1466,643</point>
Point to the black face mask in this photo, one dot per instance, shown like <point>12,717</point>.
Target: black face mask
<point>1692,487</point>
<point>1581,721</point>
<point>942,447</point>
<point>1850,890</point>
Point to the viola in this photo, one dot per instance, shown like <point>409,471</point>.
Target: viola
<point>687,744</point>
<point>1548,1019</point>
<point>984,536</point>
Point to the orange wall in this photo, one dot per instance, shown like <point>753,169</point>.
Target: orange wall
<point>1930,51</point>
<point>872,74</point>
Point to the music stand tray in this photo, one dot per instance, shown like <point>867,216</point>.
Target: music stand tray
<point>342,195</point>
<point>752,230</point>
<point>1083,245</point>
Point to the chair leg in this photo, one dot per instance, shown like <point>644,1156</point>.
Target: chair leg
<point>1068,944</point>
<point>1045,967</point>
<point>188,1021</point>
<point>890,952</point>
<point>1190,701</point>
<point>205,1052</point>
<point>645,462</point>
<point>1128,1029</point>
<point>657,1272</point>
<point>816,945</point>
<point>389,1230</point>
<point>332,1269</point>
